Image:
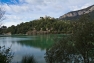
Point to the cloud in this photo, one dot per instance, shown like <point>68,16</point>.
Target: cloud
<point>74,8</point>
<point>34,2</point>
<point>16,8</point>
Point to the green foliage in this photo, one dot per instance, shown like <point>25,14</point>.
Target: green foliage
<point>5,55</point>
<point>52,24</point>
<point>62,51</point>
<point>83,37</point>
<point>12,29</point>
<point>3,29</point>
<point>77,47</point>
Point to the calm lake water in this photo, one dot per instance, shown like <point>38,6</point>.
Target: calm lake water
<point>28,45</point>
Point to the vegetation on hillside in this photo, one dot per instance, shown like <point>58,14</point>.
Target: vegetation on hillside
<point>47,23</point>
<point>44,23</point>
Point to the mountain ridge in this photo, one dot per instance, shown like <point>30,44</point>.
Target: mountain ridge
<point>77,14</point>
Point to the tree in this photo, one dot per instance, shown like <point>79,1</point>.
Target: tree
<point>2,12</point>
<point>83,37</point>
<point>12,29</point>
<point>3,29</point>
<point>76,47</point>
<point>5,55</point>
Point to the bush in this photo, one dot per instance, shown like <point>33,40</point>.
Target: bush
<point>5,55</point>
<point>78,47</point>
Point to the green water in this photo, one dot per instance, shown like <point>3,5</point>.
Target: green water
<point>29,45</point>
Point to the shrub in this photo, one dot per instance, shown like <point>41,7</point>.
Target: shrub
<point>5,54</point>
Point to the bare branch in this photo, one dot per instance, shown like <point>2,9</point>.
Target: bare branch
<point>2,12</point>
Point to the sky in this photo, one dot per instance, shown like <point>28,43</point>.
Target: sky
<point>18,11</point>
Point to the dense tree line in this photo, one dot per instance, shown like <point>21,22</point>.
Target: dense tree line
<point>43,23</point>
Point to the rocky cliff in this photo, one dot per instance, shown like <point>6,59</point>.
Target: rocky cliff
<point>76,14</point>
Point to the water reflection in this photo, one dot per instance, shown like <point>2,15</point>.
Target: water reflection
<point>28,45</point>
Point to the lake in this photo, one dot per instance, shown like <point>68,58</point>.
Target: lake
<point>29,45</point>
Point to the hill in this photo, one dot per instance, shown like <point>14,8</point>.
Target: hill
<point>47,24</point>
<point>76,14</point>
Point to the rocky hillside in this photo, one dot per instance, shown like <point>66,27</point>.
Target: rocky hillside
<point>78,13</point>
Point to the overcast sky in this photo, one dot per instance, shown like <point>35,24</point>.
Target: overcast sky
<point>18,11</point>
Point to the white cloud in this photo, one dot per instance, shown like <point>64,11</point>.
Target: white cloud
<point>74,8</point>
<point>10,23</point>
<point>35,2</point>
<point>8,8</point>
<point>86,5</point>
<point>17,8</point>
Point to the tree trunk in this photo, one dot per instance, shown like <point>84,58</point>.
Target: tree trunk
<point>86,59</point>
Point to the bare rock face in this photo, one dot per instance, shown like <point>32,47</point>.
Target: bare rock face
<point>78,12</point>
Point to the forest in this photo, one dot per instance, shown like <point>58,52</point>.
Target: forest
<point>44,23</point>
